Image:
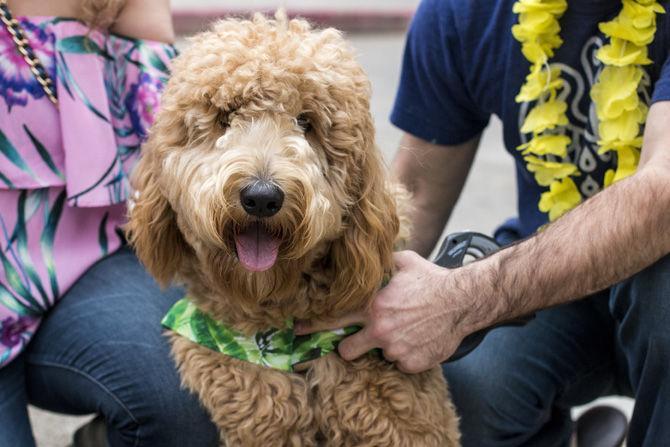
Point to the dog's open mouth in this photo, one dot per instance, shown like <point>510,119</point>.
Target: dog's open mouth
<point>257,248</point>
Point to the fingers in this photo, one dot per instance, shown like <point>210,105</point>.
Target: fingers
<point>356,345</point>
<point>307,327</point>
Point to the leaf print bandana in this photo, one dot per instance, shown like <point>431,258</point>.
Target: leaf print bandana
<point>276,348</point>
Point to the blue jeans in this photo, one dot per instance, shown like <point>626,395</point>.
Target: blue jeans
<point>100,350</point>
<point>518,387</point>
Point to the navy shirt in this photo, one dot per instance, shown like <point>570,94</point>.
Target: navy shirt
<point>462,64</point>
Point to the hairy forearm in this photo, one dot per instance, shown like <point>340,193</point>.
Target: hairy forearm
<point>434,175</point>
<point>428,220</point>
<point>609,238</point>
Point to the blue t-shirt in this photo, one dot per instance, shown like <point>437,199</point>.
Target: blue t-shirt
<point>462,64</point>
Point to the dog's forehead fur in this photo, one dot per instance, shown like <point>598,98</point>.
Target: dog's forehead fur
<point>265,63</point>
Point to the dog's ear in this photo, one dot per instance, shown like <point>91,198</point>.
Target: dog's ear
<point>363,256</point>
<point>152,228</point>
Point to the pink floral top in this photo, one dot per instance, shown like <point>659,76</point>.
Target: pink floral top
<point>64,169</point>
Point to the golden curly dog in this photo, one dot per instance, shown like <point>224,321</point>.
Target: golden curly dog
<point>261,189</point>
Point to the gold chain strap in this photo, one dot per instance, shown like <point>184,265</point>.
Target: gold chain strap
<point>23,46</point>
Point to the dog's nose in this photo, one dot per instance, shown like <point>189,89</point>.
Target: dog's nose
<point>262,199</point>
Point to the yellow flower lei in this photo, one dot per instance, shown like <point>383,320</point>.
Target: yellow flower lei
<point>619,108</point>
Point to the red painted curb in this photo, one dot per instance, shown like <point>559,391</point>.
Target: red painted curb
<point>190,21</point>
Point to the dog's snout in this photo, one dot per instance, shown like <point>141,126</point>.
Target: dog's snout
<point>262,199</point>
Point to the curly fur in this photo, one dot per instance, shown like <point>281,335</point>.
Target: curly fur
<point>228,117</point>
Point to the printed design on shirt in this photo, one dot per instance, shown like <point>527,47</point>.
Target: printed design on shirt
<point>583,125</point>
<point>17,82</point>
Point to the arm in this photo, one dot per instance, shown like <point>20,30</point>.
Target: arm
<point>141,19</point>
<point>608,238</point>
<point>145,19</point>
<point>435,176</point>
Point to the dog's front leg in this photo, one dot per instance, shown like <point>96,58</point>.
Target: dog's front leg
<point>251,405</point>
<point>370,403</point>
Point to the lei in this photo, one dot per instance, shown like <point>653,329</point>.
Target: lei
<point>621,113</point>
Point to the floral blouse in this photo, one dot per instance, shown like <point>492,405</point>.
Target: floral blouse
<point>64,169</point>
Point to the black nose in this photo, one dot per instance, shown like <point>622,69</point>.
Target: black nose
<point>262,199</point>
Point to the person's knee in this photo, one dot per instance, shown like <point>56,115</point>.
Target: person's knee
<point>168,417</point>
<point>187,420</point>
<point>641,305</point>
<point>498,403</point>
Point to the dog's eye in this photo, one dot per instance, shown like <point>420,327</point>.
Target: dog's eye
<point>222,119</point>
<point>304,123</point>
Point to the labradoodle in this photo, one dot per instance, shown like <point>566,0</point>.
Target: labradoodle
<point>261,189</point>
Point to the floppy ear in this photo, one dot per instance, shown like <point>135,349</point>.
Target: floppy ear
<point>363,256</point>
<point>152,228</point>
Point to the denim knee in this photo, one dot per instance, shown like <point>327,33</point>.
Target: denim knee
<point>169,418</point>
<point>518,386</point>
<point>641,307</point>
<point>14,422</point>
<point>501,403</point>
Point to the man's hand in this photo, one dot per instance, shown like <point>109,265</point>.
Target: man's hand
<point>418,319</point>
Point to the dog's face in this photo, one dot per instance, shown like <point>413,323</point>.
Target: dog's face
<point>261,167</point>
<point>258,187</point>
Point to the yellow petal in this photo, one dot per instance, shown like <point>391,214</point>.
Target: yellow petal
<point>539,83</point>
<point>620,53</point>
<point>641,14</point>
<point>626,127</point>
<point>562,197</point>
<point>609,178</point>
<point>657,7</point>
<point>627,160</point>
<point>550,41</point>
<point>547,172</point>
<point>546,116</point>
<point>538,29</point>
<point>606,146</point>
<point>534,23</point>
<point>615,92</point>
<point>534,53</point>
<point>556,7</point>
<point>636,23</point>
<point>547,145</point>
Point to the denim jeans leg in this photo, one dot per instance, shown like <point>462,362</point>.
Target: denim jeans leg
<point>15,428</point>
<point>518,386</point>
<point>102,350</point>
<point>641,308</point>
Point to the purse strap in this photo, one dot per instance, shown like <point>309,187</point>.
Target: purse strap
<point>23,46</point>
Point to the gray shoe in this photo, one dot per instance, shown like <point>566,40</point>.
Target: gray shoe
<point>92,434</point>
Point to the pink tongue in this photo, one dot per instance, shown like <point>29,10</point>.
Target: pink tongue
<point>256,248</point>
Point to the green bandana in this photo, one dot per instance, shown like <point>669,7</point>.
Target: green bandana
<point>277,348</point>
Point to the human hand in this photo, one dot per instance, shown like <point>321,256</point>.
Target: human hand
<point>418,319</point>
